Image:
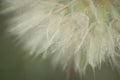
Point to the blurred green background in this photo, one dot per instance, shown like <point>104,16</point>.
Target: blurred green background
<point>15,65</point>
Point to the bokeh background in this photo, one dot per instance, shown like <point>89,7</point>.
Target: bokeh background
<point>15,64</point>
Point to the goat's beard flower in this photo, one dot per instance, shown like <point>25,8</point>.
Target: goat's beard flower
<point>81,32</point>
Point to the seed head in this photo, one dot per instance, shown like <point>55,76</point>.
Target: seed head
<point>81,32</point>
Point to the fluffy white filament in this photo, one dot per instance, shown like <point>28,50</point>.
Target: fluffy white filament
<point>78,32</point>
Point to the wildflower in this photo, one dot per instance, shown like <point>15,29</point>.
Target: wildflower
<point>81,32</point>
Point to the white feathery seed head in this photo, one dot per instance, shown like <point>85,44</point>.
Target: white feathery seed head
<point>81,32</point>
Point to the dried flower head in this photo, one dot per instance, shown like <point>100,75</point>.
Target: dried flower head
<point>81,32</point>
